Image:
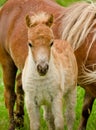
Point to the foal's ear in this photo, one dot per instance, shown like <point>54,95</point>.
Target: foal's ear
<point>28,21</point>
<point>50,21</point>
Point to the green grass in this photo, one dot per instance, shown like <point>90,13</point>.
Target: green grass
<point>66,2</point>
<point>80,94</point>
<point>2,2</point>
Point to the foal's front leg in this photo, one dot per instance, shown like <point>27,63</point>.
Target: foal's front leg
<point>57,110</point>
<point>49,118</point>
<point>33,112</point>
<point>70,100</point>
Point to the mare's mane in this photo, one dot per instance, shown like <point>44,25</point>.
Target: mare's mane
<point>78,22</point>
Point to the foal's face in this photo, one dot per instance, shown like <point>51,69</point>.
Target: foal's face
<point>40,41</point>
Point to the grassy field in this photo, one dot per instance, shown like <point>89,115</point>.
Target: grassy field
<point>80,93</point>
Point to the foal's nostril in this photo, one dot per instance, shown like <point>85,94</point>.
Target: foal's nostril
<point>39,67</point>
<point>42,68</point>
<point>46,67</point>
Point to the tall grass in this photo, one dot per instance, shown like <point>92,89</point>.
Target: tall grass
<point>80,94</point>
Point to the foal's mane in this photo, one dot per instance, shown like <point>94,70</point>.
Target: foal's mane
<point>78,22</point>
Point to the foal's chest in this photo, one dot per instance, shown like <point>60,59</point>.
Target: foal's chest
<point>45,90</point>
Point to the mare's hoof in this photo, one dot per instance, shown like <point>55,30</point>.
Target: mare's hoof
<point>81,128</point>
<point>12,125</point>
<point>19,120</point>
<point>11,128</point>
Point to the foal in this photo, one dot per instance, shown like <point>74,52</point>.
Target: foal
<point>50,72</point>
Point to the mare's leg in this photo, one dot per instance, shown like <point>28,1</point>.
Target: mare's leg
<point>49,118</point>
<point>87,107</point>
<point>33,111</point>
<point>57,110</point>
<point>70,100</point>
<point>9,73</point>
<point>19,114</point>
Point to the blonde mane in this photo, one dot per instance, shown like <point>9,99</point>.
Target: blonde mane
<point>78,22</point>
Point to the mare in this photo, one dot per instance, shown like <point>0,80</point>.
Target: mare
<point>76,23</point>
<point>49,74</point>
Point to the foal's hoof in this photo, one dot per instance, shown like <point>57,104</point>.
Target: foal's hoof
<point>19,120</point>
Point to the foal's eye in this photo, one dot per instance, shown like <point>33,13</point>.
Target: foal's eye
<point>51,44</point>
<point>30,44</point>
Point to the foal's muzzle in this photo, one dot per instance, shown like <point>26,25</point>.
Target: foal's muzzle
<point>42,68</point>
